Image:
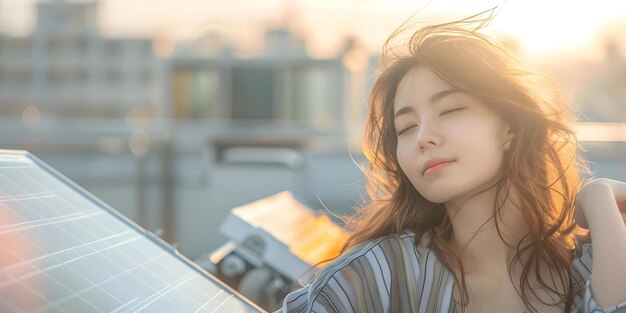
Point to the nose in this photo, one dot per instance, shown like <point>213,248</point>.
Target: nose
<point>427,136</point>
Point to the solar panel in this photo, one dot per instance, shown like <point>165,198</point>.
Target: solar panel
<point>63,250</point>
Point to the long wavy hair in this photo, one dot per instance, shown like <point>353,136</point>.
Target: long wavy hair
<point>543,165</point>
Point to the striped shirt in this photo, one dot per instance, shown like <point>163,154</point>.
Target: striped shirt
<point>392,274</point>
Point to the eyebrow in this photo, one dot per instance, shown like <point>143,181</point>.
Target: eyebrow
<point>433,99</point>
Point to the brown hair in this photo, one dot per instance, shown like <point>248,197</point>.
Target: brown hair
<point>543,163</point>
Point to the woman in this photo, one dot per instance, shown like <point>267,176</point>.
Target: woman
<point>474,185</point>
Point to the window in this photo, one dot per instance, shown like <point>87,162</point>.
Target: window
<point>253,93</point>
<point>194,92</point>
<point>312,95</point>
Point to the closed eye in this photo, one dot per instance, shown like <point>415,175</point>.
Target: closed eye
<point>402,131</point>
<point>450,111</point>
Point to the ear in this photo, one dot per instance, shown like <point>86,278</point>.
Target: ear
<point>508,137</point>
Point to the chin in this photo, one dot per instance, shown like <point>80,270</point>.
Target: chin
<point>439,193</point>
<point>435,197</point>
<point>437,200</point>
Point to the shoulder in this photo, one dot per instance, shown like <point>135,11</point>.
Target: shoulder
<point>371,253</point>
<point>392,248</point>
<point>365,278</point>
<point>369,270</point>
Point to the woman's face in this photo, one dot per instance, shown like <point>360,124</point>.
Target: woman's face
<point>435,121</point>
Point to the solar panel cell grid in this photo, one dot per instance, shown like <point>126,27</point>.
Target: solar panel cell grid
<point>61,250</point>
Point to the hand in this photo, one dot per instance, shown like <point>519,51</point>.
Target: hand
<point>617,187</point>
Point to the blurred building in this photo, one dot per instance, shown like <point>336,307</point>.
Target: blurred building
<point>277,120</point>
<point>66,68</point>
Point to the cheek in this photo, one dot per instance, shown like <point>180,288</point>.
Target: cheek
<point>406,159</point>
<point>464,129</point>
<point>479,149</point>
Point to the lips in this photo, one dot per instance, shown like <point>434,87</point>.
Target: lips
<point>435,164</point>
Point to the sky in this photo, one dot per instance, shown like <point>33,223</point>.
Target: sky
<point>540,26</point>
